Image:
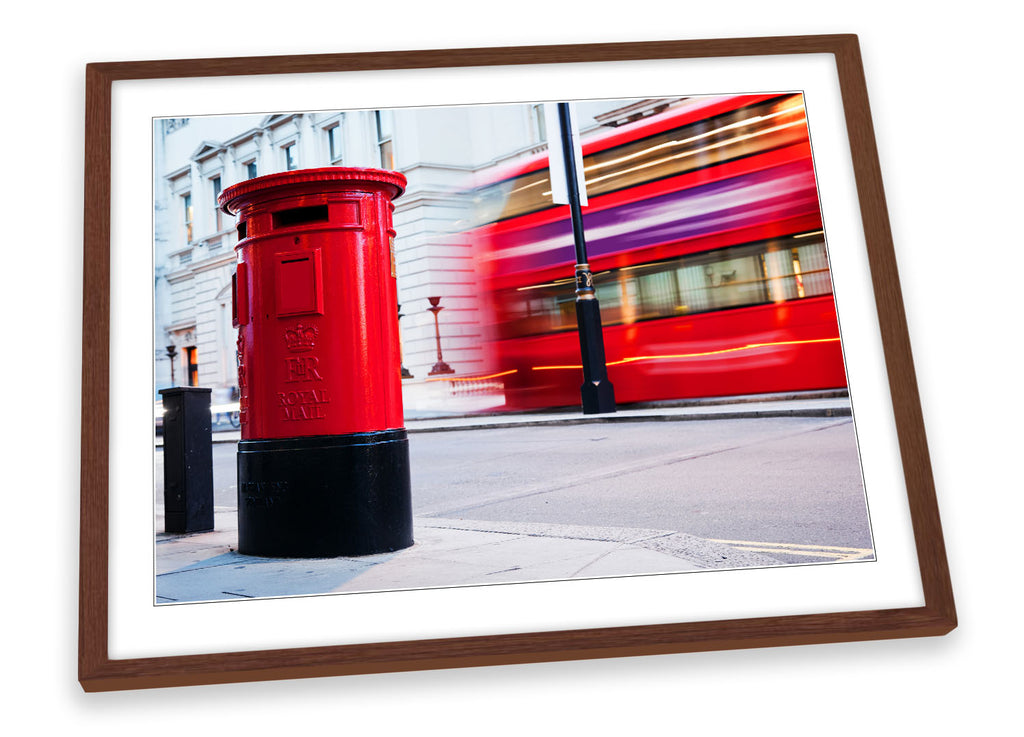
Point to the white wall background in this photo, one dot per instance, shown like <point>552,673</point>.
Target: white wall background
<point>947,118</point>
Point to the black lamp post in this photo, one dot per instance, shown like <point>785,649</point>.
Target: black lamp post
<point>172,352</point>
<point>596,393</point>
<point>440,367</point>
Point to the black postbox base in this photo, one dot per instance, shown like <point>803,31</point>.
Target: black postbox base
<point>324,496</point>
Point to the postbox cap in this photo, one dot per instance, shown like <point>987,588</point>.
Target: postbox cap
<point>234,197</point>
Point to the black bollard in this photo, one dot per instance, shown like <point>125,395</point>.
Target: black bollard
<point>188,460</point>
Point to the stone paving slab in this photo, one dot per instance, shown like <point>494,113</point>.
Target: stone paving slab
<point>207,567</point>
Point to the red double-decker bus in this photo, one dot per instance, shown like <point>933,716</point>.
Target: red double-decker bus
<point>705,237</point>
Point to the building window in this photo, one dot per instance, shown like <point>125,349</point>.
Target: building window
<point>290,161</point>
<point>173,124</point>
<point>218,221</point>
<point>334,143</point>
<point>250,169</point>
<point>187,203</point>
<point>192,366</point>
<point>384,135</point>
<point>539,121</point>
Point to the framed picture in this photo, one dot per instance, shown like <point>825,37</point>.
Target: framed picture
<point>837,250</point>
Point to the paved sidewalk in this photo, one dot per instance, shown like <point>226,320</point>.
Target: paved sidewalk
<point>446,552</point>
<point>725,409</point>
<point>455,552</point>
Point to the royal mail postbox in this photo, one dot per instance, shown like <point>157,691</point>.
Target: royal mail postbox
<point>323,461</point>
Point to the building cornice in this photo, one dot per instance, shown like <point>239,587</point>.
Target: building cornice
<point>243,137</point>
<point>211,263</point>
<point>179,172</point>
<point>214,262</point>
<point>272,121</point>
<point>438,198</point>
<point>443,167</point>
<point>207,150</point>
<point>177,327</point>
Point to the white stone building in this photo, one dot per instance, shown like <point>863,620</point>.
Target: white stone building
<point>437,149</point>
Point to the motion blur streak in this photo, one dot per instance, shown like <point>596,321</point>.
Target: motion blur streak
<point>708,253</point>
<point>631,359</point>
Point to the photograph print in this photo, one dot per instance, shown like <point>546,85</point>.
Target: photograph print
<point>400,349</point>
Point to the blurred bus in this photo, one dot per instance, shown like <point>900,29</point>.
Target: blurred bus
<point>705,237</point>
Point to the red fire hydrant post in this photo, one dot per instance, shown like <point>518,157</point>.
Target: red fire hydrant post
<point>323,461</point>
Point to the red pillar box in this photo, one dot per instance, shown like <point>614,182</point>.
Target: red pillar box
<point>323,463</point>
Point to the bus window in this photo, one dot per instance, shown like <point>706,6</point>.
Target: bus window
<point>739,276</point>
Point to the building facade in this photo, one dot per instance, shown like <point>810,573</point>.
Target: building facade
<point>439,150</point>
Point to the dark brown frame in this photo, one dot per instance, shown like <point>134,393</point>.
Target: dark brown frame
<point>97,672</point>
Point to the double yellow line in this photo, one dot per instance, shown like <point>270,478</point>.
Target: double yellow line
<point>828,552</point>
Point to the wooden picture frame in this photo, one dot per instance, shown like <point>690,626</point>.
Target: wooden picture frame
<point>98,671</point>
